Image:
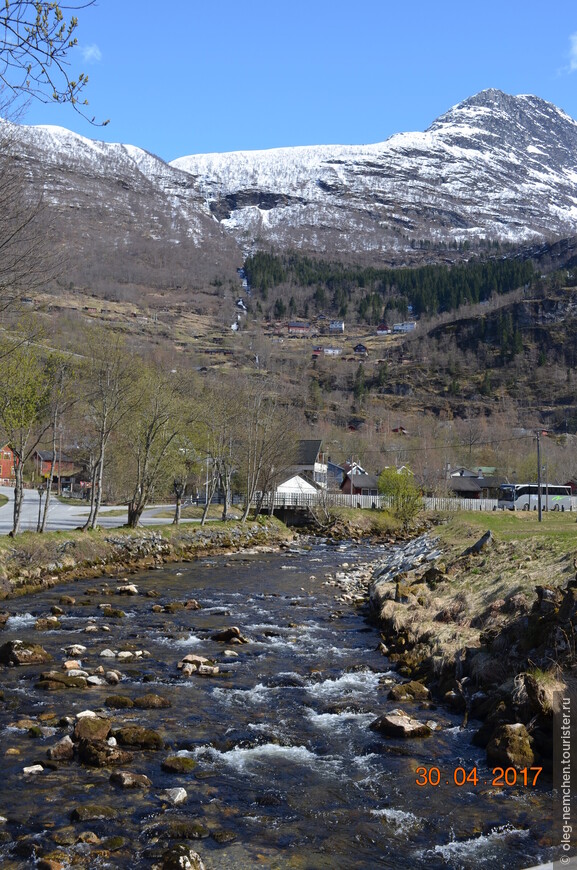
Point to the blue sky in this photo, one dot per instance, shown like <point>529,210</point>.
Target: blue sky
<point>184,77</point>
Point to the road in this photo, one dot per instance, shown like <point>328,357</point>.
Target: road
<point>67,516</point>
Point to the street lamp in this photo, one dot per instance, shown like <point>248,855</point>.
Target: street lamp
<point>41,489</point>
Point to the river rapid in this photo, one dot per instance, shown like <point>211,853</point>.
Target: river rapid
<point>288,773</point>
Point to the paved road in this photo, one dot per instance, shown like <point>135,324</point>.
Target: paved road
<point>66,516</point>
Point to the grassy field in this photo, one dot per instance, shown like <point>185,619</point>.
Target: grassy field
<point>559,529</point>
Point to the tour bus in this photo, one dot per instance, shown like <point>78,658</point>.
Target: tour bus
<point>523,497</point>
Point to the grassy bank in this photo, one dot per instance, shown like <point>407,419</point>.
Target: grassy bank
<point>491,626</point>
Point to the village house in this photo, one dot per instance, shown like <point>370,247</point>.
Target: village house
<point>65,469</point>
<point>383,329</point>
<point>358,482</point>
<point>297,327</point>
<point>6,466</point>
<point>337,326</point>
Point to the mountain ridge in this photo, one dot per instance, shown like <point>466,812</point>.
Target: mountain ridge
<point>493,167</point>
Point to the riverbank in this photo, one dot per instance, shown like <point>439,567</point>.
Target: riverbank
<point>32,562</point>
<point>487,624</point>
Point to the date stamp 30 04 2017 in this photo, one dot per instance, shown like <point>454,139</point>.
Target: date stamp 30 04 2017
<point>499,777</point>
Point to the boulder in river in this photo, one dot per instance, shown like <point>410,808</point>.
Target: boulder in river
<point>62,751</point>
<point>398,724</point>
<point>412,691</point>
<point>92,728</point>
<point>17,652</point>
<point>98,753</point>
<point>152,702</point>
<point>178,764</point>
<point>511,746</point>
<point>126,779</point>
<point>181,857</point>
<point>139,737</point>
<point>229,635</point>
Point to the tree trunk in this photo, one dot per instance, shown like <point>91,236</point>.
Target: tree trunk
<point>135,511</point>
<point>18,493</point>
<point>177,510</point>
<point>50,478</point>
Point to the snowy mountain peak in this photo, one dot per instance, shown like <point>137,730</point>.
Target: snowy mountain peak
<point>495,166</point>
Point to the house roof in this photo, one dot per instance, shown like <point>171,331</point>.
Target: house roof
<point>48,456</point>
<point>363,481</point>
<point>308,450</point>
<point>465,484</point>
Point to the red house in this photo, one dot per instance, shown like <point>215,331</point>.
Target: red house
<point>6,466</point>
<point>64,467</point>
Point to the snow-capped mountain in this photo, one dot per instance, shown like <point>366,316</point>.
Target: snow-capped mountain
<point>123,217</point>
<point>494,167</point>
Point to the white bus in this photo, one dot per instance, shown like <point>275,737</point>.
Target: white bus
<point>524,497</point>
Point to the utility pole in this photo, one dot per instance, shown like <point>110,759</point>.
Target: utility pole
<point>539,473</point>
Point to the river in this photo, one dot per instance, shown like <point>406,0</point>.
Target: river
<point>288,773</point>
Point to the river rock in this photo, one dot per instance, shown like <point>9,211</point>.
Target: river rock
<point>398,724</point>
<point>75,649</point>
<point>71,665</point>
<point>139,737</point>
<point>47,623</point>
<point>229,635</point>
<point>92,812</point>
<point>208,670</point>
<point>98,753</point>
<point>511,746</point>
<point>174,796</point>
<point>33,769</point>
<point>125,779</point>
<point>152,702</point>
<point>54,680</point>
<point>118,702</point>
<point>17,652</point>
<point>4,617</point>
<point>62,751</point>
<point>412,691</point>
<point>181,857</point>
<point>67,599</point>
<point>92,728</point>
<point>178,764</point>
<point>128,589</point>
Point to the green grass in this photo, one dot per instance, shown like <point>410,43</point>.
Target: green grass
<point>557,529</point>
<point>3,500</point>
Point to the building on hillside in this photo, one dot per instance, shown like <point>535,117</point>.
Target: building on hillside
<point>337,326</point>
<point>360,350</point>
<point>297,327</point>
<point>383,329</point>
<point>406,326</point>
<point>6,466</point>
<point>332,351</point>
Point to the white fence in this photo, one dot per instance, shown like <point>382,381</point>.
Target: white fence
<point>375,502</point>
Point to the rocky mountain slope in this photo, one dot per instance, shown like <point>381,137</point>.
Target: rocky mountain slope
<point>493,167</point>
